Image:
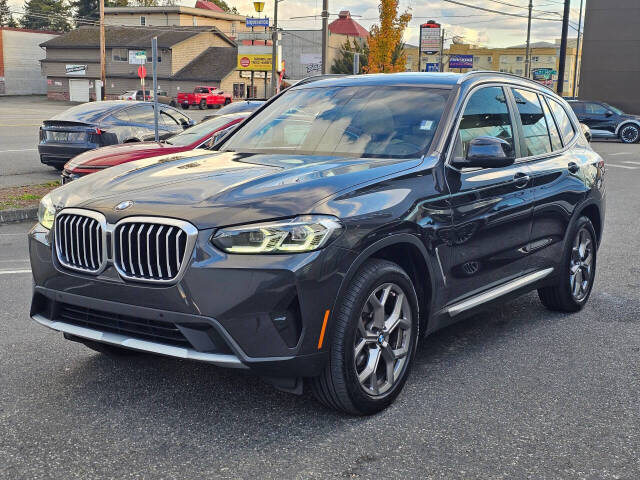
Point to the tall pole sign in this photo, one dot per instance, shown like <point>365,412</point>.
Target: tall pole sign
<point>103,73</point>
<point>429,40</point>
<point>154,64</point>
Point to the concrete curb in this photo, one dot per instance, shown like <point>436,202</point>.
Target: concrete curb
<point>9,216</point>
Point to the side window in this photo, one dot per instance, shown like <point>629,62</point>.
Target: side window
<point>173,117</point>
<point>141,113</point>
<point>534,125</point>
<point>486,114</point>
<point>577,107</point>
<point>595,109</point>
<point>556,143</point>
<point>120,116</point>
<point>562,119</point>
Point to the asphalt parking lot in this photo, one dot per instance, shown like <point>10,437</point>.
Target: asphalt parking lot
<point>20,118</point>
<point>517,392</point>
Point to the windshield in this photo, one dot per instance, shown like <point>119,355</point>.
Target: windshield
<point>200,130</point>
<point>362,121</point>
<point>615,110</point>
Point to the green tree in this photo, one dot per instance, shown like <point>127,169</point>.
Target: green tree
<point>87,12</point>
<point>47,15</point>
<point>343,63</point>
<point>5,14</point>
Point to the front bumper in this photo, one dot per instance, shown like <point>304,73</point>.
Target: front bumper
<point>260,312</point>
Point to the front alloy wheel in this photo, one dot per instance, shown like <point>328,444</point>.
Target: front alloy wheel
<point>373,338</point>
<point>630,133</point>
<point>382,343</point>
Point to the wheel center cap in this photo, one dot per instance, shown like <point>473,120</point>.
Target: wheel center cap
<point>381,340</point>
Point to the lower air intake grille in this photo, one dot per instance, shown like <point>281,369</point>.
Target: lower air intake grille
<point>159,332</point>
<point>151,249</point>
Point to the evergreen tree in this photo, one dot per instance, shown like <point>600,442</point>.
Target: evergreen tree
<point>47,15</point>
<point>87,12</point>
<point>343,63</point>
<point>5,14</point>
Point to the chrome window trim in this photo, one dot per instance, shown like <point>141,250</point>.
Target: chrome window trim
<point>102,221</point>
<point>186,227</point>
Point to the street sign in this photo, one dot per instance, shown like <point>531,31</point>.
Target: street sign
<point>430,38</point>
<point>432,67</point>
<point>142,71</point>
<point>257,22</point>
<point>137,57</point>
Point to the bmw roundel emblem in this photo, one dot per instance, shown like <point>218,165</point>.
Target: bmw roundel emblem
<point>124,205</point>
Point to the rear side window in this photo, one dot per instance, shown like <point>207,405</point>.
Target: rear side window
<point>486,114</point>
<point>556,142</point>
<point>595,109</point>
<point>562,119</point>
<point>577,107</point>
<point>534,124</point>
<point>141,113</point>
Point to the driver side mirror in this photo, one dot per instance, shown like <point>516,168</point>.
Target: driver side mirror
<point>487,152</point>
<point>609,113</point>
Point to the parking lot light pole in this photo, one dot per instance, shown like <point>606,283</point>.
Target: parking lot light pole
<point>274,47</point>
<point>103,74</point>
<point>154,63</point>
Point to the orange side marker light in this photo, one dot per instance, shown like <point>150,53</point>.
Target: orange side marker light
<point>324,327</point>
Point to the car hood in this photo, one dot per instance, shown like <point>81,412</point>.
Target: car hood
<point>117,154</point>
<point>222,188</point>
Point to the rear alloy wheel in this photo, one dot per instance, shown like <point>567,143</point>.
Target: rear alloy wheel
<point>375,331</point>
<point>202,105</point>
<point>630,133</point>
<point>574,286</point>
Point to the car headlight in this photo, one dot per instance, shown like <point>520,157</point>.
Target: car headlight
<point>46,212</point>
<point>301,234</point>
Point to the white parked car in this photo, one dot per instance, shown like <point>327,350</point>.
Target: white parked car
<point>129,95</point>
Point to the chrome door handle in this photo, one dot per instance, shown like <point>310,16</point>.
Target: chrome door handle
<point>573,167</point>
<point>521,179</point>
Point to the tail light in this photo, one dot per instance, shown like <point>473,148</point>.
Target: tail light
<point>95,135</point>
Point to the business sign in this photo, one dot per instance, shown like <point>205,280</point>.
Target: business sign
<point>543,76</point>
<point>76,70</point>
<point>433,67</point>
<point>254,36</point>
<point>430,38</point>
<point>461,61</point>
<point>257,22</point>
<point>259,62</point>
<point>137,57</point>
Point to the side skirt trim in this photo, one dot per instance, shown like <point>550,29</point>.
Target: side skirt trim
<point>497,292</point>
<point>222,360</point>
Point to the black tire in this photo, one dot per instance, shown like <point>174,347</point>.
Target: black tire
<point>210,107</point>
<point>338,387</point>
<point>203,104</point>
<point>173,103</point>
<point>561,297</point>
<point>59,167</point>
<point>629,133</point>
<point>185,106</point>
<point>111,350</point>
<point>227,101</point>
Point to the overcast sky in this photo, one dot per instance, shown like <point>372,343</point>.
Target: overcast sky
<point>476,26</point>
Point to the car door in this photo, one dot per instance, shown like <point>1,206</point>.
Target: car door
<point>143,122</point>
<point>599,119</point>
<point>558,163</point>
<point>492,207</point>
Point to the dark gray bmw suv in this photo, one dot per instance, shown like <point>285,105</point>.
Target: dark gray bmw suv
<point>343,221</point>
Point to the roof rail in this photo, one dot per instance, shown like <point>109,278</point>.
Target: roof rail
<point>466,75</point>
<point>315,78</point>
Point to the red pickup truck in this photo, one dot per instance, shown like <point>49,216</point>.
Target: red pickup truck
<point>204,97</point>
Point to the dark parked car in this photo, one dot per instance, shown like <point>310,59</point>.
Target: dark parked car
<point>607,121</point>
<point>96,124</point>
<point>332,231</point>
<point>203,135</point>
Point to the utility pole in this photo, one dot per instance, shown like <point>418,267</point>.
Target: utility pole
<point>103,72</point>
<point>325,34</point>
<point>575,68</point>
<point>527,58</point>
<point>154,64</point>
<point>274,48</point>
<point>563,46</point>
<point>441,66</point>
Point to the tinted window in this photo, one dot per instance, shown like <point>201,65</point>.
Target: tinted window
<point>486,114</point>
<point>534,125</point>
<point>556,143</point>
<point>595,109</point>
<point>201,130</point>
<point>141,113</point>
<point>173,117</point>
<point>562,119</point>
<point>577,107</point>
<point>366,121</point>
<point>201,90</point>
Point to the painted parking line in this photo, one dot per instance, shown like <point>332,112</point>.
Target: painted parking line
<point>619,153</point>
<point>13,272</point>
<point>621,166</point>
<point>19,150</point>
<point>631,162</point>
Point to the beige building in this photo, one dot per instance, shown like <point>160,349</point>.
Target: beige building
<point>186,58</point>
<point>228,23</point>
<point>544,55</point>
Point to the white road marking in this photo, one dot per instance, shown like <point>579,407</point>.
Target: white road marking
<point>621,166</point>
<point>20,150</point>
<point>11,272</point>
<point>619,153</point>
<point>631,162</point>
